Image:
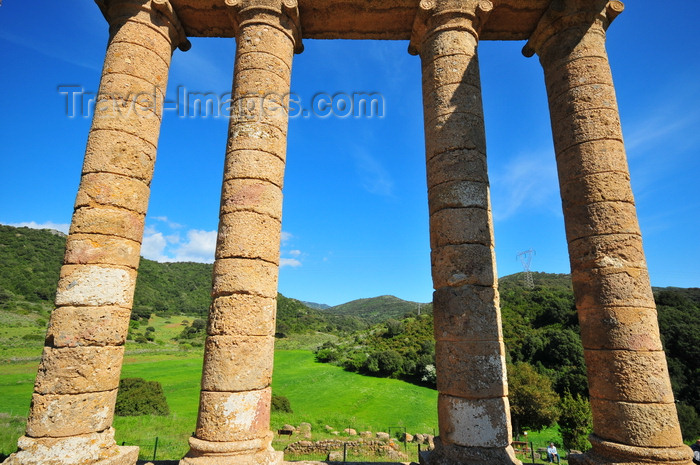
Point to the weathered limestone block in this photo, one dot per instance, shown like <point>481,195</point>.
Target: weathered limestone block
<point>471,369</point>
<point>76,370</point>
<point>62,415</point>
<point>474,422</point>
<point>132,90</point>
<point>459,265</point>
<point>445,453</point>
<point>242,315</point>
<point>449,43</point>
<point>457,165</point>
<point>97,448</point>
<point>113,190</point>
<point>608,251</point>
<point>598,187</point>
<point>592,157</point>
<point>454,98</point>
<point>108,221</point>
<point>251,135</point>
<point>631,328</point>
<point>622,287</point>
<point>153,32</point>
<point>237,363</point>
<point>233,416</point>
<point>467,313</point>
<point>590,70</point>
<point>254,164</point>
<point>125,59</point>
<point>459,194</point>
<point>251,195</point>
<point>98,249</point>
<point>630,376</point>
<point>88,326</point>
<point>456,132</point>
<point>583,98</point>
<point>600,218</point>
<point>245,276</point>
<point>120,114</point>
<point>264,62</point>
<point>453,68</point>
<point>245,234</point>
<point>636,424</point>
<point>120,153</point>
<point>95,285</point>
<point>456,226</point>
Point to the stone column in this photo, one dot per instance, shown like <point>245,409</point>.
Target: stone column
<point>634,416</point>
<point>233,425</point>
<point>473,410</point>
<point>70,419</point>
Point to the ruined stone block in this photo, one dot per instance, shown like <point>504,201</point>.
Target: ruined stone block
<point>262,39</point>
<point>457,165</point>
<point>636,424</point>
<point>449,43</point>
<point>607,251</point>
<point>453,98</point>
<point>459,265</point>
<point>76,370</point>
<point>458,194</point>
<point>450,69</point>
<point>98,249</point>
<point>598,187</point>
<point>242,315</point>
<point>474,422</point>
<point>118,114</point>
<point>632,328</point>
<point>254,164</point>
<point>88,326</point>
<point>117,152</point>
<point>126,60</point>
<point>587,125</point>
<point>113,190</point>
<point>233,416</point>
<point>61,415</point>
<point>245,234</point>
<point>141,26</point>
<point>471,369</point>
<point>245,276</point>
<point>590,70</point>
<point>457,131</point>
<point>621,287</point>
<point>237,363</point>
<point>585,97</point>
<point>251,195</point>
<point>600,218</point>
<point>95,285</point>
<point>467,313</point>
<point>454,226</point>
<point>108,221</point>
<point>261,61</point>
<point>253,135</point>
<point>591,157</point>
<point>629,376</point>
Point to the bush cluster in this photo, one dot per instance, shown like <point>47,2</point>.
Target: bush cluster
<point>136,396</point>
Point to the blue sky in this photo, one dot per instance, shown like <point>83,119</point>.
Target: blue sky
<point>355,209</point>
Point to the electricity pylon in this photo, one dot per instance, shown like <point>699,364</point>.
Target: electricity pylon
<point>526,258</point>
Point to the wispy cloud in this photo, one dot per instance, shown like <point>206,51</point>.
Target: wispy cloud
<point>528,180</point>
<point>63,227</point>
<point>374,178</point>
<point>291,262</point>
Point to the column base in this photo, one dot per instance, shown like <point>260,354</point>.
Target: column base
<point>84,449</point>
<point>250,452</point>
<point>452,454</point>
<point>611,453</point>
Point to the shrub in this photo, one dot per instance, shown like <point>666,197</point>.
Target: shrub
<point>575,422</point>
<point>281,404</point>
<point>136,396</point>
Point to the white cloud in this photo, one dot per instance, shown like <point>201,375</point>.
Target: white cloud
<point>286,237</point>
<point>200,247</point>
<point>295,253</point>
<point>293,262</point>
<point>153,246</point>
<point>374,178</point>
<point>63,227</point>
<point>528,180</point>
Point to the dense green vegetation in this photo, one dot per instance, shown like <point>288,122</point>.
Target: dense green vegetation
<point>378,309</point>
<point>136,396</point>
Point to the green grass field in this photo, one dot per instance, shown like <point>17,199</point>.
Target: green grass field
<point>319,394</point>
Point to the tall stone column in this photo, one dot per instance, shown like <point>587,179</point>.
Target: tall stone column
<point>70,419</point>
<point>233,426</point>
<point>473,409</point>
<point>634,416</point>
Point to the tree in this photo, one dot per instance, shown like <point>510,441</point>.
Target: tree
<point>136,396</point>
<point>533,402</point>
<point>575,422</point>
<point>280,404</point>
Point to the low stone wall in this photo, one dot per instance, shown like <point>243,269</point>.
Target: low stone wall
<point>371,447</point>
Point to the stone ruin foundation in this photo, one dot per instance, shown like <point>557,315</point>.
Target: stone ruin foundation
<point>634,416</point>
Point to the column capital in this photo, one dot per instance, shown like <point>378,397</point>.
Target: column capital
<point>282,15</point>
<point>119,10</point>
<point>435,16</point>
<point>576,16</point>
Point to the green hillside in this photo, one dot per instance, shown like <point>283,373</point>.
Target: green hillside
<point>378,309</point>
